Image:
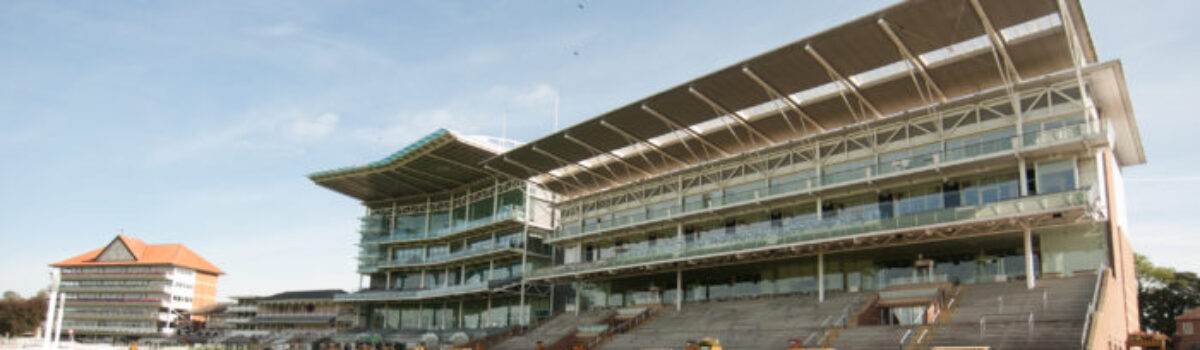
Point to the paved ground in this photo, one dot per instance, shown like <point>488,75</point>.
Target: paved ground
<point>36,344</point>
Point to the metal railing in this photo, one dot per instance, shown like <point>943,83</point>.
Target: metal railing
<point>1092,306</point>
<point>799,231</point>
<point>980,148</point>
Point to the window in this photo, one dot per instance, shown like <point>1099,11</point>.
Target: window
<point>1056,176</point>
<point>1187,328</point>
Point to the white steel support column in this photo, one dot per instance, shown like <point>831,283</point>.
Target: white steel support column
<point>446,278</point>
<point>488,315</point>
<point>387,280</point>
<point>524,272</point>
<point>428,215</point>
<point>1030,279</point>
<point>679,236</point>
<point>48,328</point>
<point>62,301</point>
<point>578,294</point>
<point>422,283</point>
<point>461,317</point>
<point>495,197</point>
<point>420,315</point>
<point>491,269</point>
<point>821,276</point>
<point>678,288</point>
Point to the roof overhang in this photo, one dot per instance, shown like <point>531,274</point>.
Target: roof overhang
<point>438,162</point>
<point>1111,96</point>
<point>913,54</point>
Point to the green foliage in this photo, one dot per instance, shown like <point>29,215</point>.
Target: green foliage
<point>19,315</point>
<point>1163,294</point>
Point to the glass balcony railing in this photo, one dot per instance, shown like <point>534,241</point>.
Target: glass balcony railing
<point>511,212</point>
<point>435,259</point>
<point>984,146</point>
<point>810,228</point>
<point>427,293</point>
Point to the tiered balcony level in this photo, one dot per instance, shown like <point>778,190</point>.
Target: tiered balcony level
<point>809,229</point>
<point>1053,121</point>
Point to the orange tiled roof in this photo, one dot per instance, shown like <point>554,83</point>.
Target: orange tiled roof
<point>146,254</point>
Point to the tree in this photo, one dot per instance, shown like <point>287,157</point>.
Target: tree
<point>1163,294</point>
<point>19,315</point>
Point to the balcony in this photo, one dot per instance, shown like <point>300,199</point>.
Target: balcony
<point>111,330</point>
<point>510,214</point>
<point>418,294</point>
<point>117,275</point>
<point>466,254</point>
<point>808,229</point>
<point>842,175</point>
<point>149,288</point>
<point>242,309</point>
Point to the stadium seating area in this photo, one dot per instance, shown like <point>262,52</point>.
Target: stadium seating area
<point>766,323</point>
<point>554,329</point>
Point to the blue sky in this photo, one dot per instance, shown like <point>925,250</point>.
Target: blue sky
<point>196,122</point>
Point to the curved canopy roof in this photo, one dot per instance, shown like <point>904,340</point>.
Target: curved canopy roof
<point>909,55</point>
<point>436,163</point>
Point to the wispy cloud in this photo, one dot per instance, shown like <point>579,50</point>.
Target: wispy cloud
<point>480,112</point>
<point>278,30</point>
<point>284,132</point>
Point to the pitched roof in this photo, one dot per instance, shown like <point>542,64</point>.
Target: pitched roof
<point>145,254</point>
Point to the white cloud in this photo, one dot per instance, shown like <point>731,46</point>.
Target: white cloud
<point>316,128</point>
<point>278,30</point>
<point>283,132</point>
<point>541,95</point>
<point>528,110</point>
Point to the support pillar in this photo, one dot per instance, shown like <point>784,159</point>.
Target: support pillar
<point>461,317</point>
<point>487,319</point>
<point>678,288</point>
<point>1030,279</point>
<point>387,280</point>
<point>62,301</point>
<point>578,293</point>
<point>48,328</point>
<point>821,276</point>
<point>420,315</point>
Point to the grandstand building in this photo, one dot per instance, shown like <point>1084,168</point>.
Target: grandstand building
<point>940,172</point>
<point>445,242</point>
<point>130,288</point>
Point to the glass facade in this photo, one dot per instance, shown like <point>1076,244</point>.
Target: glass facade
<point>988,259</point>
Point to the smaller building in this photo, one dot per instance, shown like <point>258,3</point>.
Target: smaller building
<point>130,288</point>
<point>1187,330</point>
<point>311,313</point>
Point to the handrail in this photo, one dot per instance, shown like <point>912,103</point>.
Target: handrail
<point>867,172</point>
<point>1092,306</point>
<point>809,230</point>
<point>904,339</point>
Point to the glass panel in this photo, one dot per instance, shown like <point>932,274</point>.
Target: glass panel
<point>1056,176</point>
<point>439,223</point>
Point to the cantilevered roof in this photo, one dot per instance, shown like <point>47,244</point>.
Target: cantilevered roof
<point>438,162</point>
<point>909,55</point>
<point>321,294</point>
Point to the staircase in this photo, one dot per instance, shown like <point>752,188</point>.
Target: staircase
<point>925,333</point>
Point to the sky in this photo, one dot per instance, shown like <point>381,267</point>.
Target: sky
<point>197,122</point>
